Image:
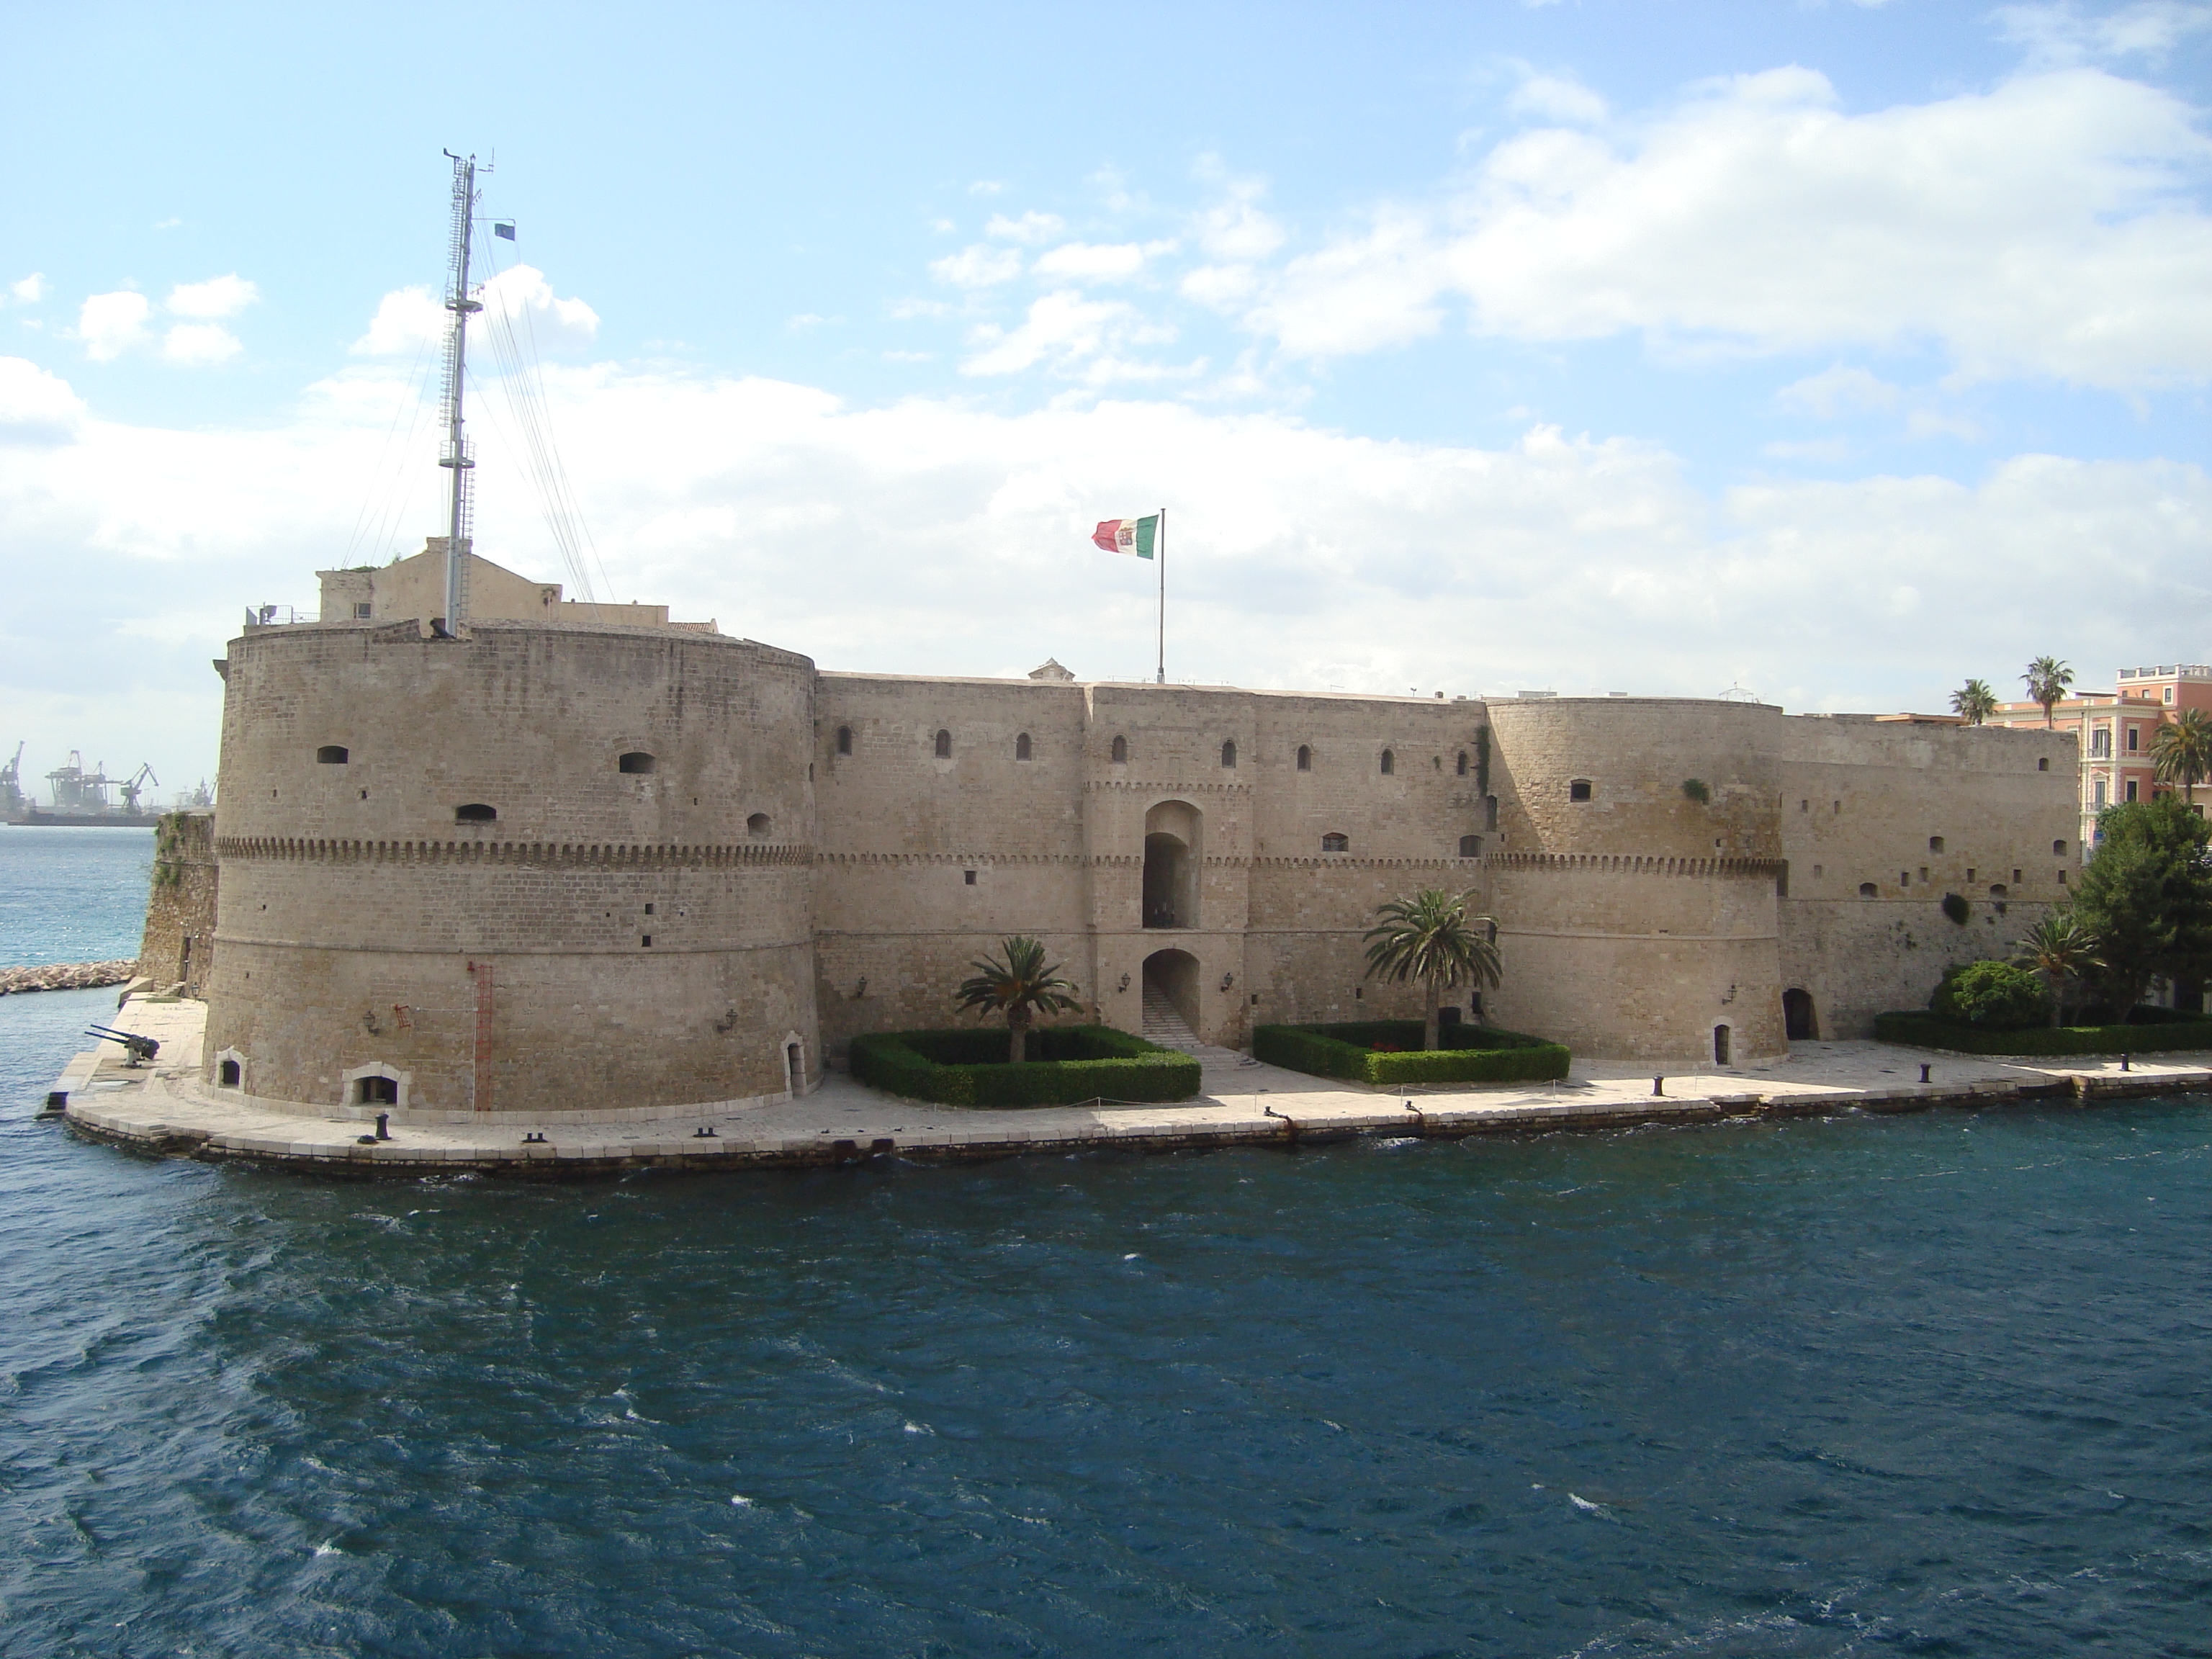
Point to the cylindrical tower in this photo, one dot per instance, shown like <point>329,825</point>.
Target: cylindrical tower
<point>1636,876</point>
<point>545,868</point>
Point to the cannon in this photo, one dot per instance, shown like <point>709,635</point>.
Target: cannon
<point>141,1048</point>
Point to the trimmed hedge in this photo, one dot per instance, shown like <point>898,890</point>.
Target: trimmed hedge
<point>1469,1053</point>
<point>1066,1065</point>
<point>1921,1031</point>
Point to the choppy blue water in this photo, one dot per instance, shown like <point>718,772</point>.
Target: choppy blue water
<point>71,894</point>
<point>1933,1384</point>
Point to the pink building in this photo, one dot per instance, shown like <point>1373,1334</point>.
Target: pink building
<point>2114,730</point>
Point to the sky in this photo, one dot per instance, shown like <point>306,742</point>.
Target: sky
<point>1833,353</point>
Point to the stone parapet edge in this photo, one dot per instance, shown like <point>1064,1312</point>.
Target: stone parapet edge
<point>1142,1132</point>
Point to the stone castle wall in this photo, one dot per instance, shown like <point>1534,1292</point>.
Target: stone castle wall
<point>810,860</point>
<point>178,945</point>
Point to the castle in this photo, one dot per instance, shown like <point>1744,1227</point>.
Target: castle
<point>568,857</point>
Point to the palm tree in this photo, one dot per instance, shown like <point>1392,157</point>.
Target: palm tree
<point>1021,987</point>
<point>2062,949</point>
<point>2181,751</point>
<point>1975,701</point>
<point>2047,679</point>
<point>1432,937</point>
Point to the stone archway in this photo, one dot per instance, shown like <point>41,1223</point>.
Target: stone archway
<point>1798,1024</point>
<point>1171,989</point>
<point>1173,850</point>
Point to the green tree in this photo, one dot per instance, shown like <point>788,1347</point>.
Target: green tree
<point>2065,951</point>
<point>1975,701</point>
<point>1997,996</point>
<point>1021,987</point>
<point>1430,938</point>
<point>2181,751</point>
<point>2147,896</point>
<point>2047,679</point>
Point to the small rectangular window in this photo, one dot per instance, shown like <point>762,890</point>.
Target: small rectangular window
<point>363,610</point>
<point>970,875</point>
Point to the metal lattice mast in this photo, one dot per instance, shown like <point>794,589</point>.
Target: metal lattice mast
<point>460,301</point>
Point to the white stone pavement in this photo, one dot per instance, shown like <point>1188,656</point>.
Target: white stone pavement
<point>163,1106</point>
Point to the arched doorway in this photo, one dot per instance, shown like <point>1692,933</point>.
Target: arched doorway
<point>1797,1022</point>
<point>1172,851</point>
<point>1170,993</point>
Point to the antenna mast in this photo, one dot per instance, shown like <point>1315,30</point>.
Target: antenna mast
<point>460,301</point>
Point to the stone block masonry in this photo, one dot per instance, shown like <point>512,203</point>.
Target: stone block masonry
<point>561,866</point>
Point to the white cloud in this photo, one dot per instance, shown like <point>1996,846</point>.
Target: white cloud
<point>219,296</point>
<point>198,344</point>
<point>29,290</point>
<point>2064,34</point>
<point>1063,330</point>
<point>977,266</point>
<point>111,324</point>
<point>2043,229</point>
<point>1837,391</point>
<point>35,406</point>
<point>929,536</point>
<point>409,318</point>
<point>1809,449</point>
<point>1234,229</point>
<point>1557,98</point>
<point>1116,262</point>
<point>1030,227</point>
<point>406,317</point>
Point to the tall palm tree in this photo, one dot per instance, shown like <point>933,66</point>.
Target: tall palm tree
<point>1432,937</point>
<point>2064,950</point>
<point>1975,701</point>
<point>2047,679</point>
<point>2181,751</point>
<point>1021,987</point>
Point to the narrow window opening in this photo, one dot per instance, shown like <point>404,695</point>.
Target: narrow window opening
<point>1335,843</point>
<point>1470,847</point>
<point>635,761</point>
<point>475,812</point>
<point>645,941</point>
<point>1390,762</point>
<point>1459,767</point>
<point>1305,758</point>
<point>331,754</point>
<point>757,825</point>
<point>2015,877</point>
<point>376,1091</point>
<point>1579,789</point>
<point>1120,755</point>
<point>1229,754</point>
<point>2042,764</point>
<point>2131,788</point>
<point>844,739</point>
<point>944,745</point>
<point>1934,843</point>
<point>2133,732</point>
<point>229,1073</point>
<point>1720,1045</point>
<point>1969,875</point>
<point>968,877</point>
<point>649,909</point>
<point>1490,812</point>
<point>1022,747</point>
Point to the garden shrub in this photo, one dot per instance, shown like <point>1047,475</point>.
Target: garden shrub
<point>1994,996</point>
<point>1921,1031</point>
<point>1388,1052</point>
<point>1066,1065</point>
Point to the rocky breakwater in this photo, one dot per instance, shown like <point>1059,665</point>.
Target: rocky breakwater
<point>67,975</point>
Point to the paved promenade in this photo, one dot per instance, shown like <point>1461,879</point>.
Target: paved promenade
<point>163,1107</point>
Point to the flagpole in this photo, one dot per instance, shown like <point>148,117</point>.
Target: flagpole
<point>1160,547</point>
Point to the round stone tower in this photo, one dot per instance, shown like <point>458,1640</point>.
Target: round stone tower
<point>1636,876</point>
<point>544,868</point>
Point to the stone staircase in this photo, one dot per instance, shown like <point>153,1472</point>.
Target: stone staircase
<point>1165,1025</point>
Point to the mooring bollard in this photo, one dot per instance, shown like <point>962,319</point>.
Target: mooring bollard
<point>1658,1086</point>
<point>2124,1063</point>
<point>384,1126</point>
<point>1923,1071</point>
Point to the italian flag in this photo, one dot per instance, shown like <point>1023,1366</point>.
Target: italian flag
<point>1135,537</point>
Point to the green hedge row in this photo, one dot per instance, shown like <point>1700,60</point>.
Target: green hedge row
<point>1921,1031</point>
<point>1470,1053</point>
<point>1066,1065</point>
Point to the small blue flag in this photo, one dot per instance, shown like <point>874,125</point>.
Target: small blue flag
<point>503,227</point>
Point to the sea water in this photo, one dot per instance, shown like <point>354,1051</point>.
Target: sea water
<point>1931,1384</point>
